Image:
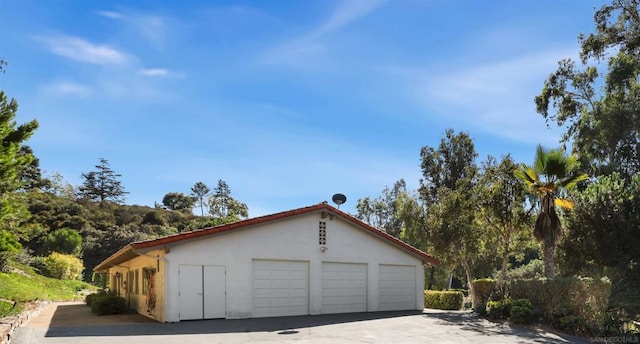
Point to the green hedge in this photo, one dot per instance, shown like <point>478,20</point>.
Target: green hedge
<point>106,303</point>
<point>447,300</point>
<point>482,289</point>
<point>566,300</point>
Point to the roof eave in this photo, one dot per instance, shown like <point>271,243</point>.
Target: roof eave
<point>113,259</point>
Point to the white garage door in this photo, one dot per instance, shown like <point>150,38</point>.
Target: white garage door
<point>280,288</point>
<point>397,287</point>
<point>344,288</point>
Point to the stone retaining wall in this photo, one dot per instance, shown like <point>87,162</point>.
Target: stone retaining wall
<point>8,325</point>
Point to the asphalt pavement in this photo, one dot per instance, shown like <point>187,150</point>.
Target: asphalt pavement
<point>62,323</point>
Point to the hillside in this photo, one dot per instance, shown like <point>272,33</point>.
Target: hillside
<point>22,285</point>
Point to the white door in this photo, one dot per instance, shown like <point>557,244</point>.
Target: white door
<point>344,288</point>
<point>397,287</point>
<point>202,292</point>
<point>280,288</point>
<point>190,294</point>
<point>214,292</point>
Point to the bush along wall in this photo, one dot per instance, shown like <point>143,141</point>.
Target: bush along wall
<point>447,300</point>
<point>573,304</point>
<point>482,290</point>
<point>104,303</point>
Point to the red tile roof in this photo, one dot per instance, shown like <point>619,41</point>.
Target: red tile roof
<point>125,253</point>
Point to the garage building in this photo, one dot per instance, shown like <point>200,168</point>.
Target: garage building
<point>312,260</point>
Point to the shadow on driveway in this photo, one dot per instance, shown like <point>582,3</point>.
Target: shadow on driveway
<point>77,320</point>
<point>467,321</point>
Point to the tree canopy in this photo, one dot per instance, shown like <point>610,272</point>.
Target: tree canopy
<point>223,205</point>
<point>178,201</point>
<point>102,185</point>
<point>14,159</point>
<point>200,191</point>
<point>599,108</point>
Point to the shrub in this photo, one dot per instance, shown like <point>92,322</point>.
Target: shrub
<point>62,266</point>
<point>482,289</point>
<point>447,300</point>
<point>572,324</point>
<point>90,298</point>
<point>107,303</point>
<point>533,269</point>
<point>63,240</point>
<point>498,309</point>
<point>516,311</point>
<point>40,265</point>
<point>481,309</point>
<point>563,297</point>
<point>9,242</point>
<point>520,311</point>
<point>5,258</point>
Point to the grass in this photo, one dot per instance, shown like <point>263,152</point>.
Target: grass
<point>8,308</point>
<point>29,286</point>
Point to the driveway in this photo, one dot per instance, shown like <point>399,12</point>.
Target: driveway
<point>74,323</point>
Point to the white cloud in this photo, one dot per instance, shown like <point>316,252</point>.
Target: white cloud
<point>154,72</point>
<point>68,88</point>
<point>297,51</point>
<point>111,14</point>
<point>348,12</point>
<point>151,27</point>
<point>495,97</point>
<point>81,50</point>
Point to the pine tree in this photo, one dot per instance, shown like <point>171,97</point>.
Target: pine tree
<point>12,159</point>
<point>102,185</point>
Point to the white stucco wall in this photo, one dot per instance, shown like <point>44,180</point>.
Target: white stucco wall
<point>294,238</point>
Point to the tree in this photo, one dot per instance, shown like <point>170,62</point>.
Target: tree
<point>3,64</point>
<point>222,204</point>
<point>63,240</point>
<point>455,235</point>
<point>602,123</point>
<point>13,160</point>
<point>200,191</point>
<point>443,167</point>
<point>502,199</point>
<point>382,211</point>
<point>9,242</point>
<point>102,185</point>
<point>552,173</point>
<point>56,185</point>
<point>178,201</point>
<point>411,215</point>
<point>31,175</point>
<point>448,188</point>
<point>602,236</point>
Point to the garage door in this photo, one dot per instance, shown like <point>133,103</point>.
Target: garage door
<point>280,288</point>
<point>344,288</point>
<point>397,287</point>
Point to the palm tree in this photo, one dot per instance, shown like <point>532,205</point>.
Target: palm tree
<point>552,173</point>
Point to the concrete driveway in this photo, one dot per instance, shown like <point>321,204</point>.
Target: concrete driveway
<point>74,323</point>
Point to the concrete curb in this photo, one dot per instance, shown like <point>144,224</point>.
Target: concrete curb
<point>8,325</point>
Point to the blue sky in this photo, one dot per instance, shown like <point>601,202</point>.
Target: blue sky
<point>287,101</point>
